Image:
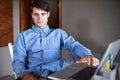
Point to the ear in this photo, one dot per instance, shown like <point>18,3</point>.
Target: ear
<point>32,15</point>
<point>48,14</point>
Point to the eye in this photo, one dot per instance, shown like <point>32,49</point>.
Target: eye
<point>43,14</point>
<point>36,14</point>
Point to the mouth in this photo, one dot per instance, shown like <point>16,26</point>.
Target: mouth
<point>39,22</point>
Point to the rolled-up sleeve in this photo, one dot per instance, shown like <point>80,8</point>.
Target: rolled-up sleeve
<point>73,46</point>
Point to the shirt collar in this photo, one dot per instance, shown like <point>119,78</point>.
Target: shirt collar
<point>39,30</point>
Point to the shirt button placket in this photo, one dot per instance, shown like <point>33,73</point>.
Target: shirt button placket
<point>41,51</point>
<point>41,54</point>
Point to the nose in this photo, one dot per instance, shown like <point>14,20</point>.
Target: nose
<point>39,17</point>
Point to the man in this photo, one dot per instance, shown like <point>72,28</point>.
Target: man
<point>41,47</point>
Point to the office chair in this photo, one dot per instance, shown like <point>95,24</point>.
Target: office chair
<point>10,47</point>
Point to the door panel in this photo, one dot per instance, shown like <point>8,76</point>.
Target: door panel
<point>25,16</point>
<point>6,22</point>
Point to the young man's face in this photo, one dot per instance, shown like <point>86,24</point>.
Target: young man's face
<point>40,17</point>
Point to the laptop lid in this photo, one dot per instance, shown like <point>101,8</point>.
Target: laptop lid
<point>113,48</point>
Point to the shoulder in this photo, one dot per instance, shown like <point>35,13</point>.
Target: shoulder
<point>25,33</point>
<point>59,30</point>
<point>28,31</point>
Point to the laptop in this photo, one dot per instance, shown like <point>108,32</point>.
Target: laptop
<point>113,48</point>
<point>75,71</point>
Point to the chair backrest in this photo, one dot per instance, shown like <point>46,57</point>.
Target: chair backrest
<point>10,46</point>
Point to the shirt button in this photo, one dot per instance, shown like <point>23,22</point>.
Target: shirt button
<point>41,54</point>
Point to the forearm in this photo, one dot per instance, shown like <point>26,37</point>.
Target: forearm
<point>19,68</point>
<point>79,50</point>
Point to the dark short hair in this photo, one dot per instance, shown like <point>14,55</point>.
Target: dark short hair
<point>42,4</point>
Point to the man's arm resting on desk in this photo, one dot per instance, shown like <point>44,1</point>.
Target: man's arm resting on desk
<point>89,60</point>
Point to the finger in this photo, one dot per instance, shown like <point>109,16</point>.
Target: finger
<point>89,64</point>
<point>82,61</point>
<point>78,62</point>
<point>95,62</point>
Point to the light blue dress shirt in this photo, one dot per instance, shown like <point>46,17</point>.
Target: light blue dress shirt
<point>42,48</point>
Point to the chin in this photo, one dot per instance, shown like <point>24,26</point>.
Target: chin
<point>41,26</point>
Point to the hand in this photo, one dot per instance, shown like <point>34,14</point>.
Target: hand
<point>29,76</point>
<point>89,60</point>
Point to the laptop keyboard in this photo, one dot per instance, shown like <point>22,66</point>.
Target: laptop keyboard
<point>84,74</point>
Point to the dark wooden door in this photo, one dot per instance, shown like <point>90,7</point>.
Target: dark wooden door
<point>6,22</point>
<point>25,14</point>
<point>54,10</point>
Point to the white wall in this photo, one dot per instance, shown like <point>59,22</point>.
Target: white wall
<point>95,23</point>
<point>5,60</point>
